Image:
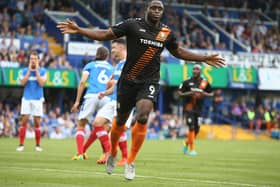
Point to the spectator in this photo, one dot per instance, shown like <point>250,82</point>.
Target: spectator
<point>267,119</point>
<point>63,63</point>
<point>155,126</point>
<point>12,46</point>
<point>221,46</point>
<point>56,134</point>
<point>52,122</point>
<point>236,112</point>
<point>67,126</point>
<point>259,117</point>
<point>274,117</point>
<point>86,59</point>
<point>251,117</point>
<point>217,104</point>
<point>152,135</point>
<point>3,45</point>
<point>2,126</point>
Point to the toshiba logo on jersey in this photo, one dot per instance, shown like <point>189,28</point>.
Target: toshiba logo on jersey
<point>151,42</point>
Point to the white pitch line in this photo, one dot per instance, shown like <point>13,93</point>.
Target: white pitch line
<point>202,181</point>
<point>143,176</point>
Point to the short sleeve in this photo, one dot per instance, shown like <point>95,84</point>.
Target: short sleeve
<point>43,72</point>
<point>171,42</point>
<point>184,87</point>
<point>87,67</point>
<point>23,73</point>
<point>208,88</point>
<point>122,28</point>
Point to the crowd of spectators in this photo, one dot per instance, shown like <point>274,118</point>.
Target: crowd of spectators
<point>10,57</point>
<point>18,23</point>
<point>250,31</point>
<point>252,113</point>
<point>55,124</point>
<point>24,19</point>
<point>265,117</point>
<point>59,123</point>
<point>265,6</point>
<point>249,28</point>
<point>254,118</point>
<point>188,32</point>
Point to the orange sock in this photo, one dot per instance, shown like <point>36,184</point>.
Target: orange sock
<point>191,136</point>
<point>116,133</point>
<point>138,136</point>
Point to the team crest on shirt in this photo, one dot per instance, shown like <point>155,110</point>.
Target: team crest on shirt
<point>163,34</point>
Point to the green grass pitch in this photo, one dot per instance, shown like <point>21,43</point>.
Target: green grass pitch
<point>160,163</point>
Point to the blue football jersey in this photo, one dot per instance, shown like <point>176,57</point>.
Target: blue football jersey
<point>116,76</point>
<point>32,90</point>
<point>99,74</point>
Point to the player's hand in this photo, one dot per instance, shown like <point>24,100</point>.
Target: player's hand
<point>75,107</point>
<point>37,66</point>
<point>101,95</point>
<point>68,27</point>
<point>29,66</point>
<point>215,60</point>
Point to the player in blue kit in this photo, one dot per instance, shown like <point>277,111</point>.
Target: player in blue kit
<point>33,79</point>
<point>97,73</point>
<point>105,115</point>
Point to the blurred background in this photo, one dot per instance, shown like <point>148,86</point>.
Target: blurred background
<point>246,102</point>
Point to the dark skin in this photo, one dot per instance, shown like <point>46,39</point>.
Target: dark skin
<point>153,15</point>
<point>196,73</point>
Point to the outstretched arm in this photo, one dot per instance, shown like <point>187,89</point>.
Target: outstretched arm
<point>71,27</point>
<point>212,60</point>
<point>211,94</point>
<point>189,93</point>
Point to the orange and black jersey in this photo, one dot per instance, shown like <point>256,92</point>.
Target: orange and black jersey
<point>144,46</point>
<point>194,102</point>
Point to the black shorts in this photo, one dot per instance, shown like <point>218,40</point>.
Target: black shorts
<point>129,93</point>
<point>192,120</point>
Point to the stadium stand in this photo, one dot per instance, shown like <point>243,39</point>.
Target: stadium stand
<point>246,37</point>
